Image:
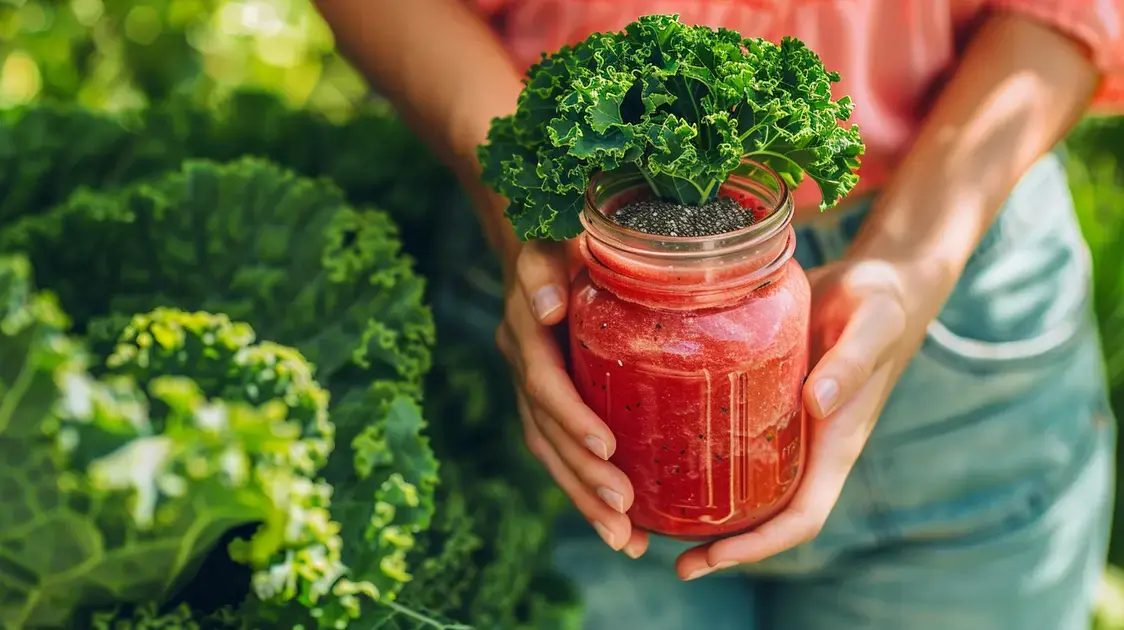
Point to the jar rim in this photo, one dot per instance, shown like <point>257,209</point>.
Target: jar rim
<point>708,292</point>
<point>603,228</point>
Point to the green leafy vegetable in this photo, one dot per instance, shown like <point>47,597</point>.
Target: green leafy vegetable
<point>121,243</point>
<point>683,105</point>
<point>48,152</point>
<point>115,495</point>
<point>182,430</point>
<point>373,157</point>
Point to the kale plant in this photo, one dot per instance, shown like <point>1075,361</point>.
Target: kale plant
<point>116,228</point>
<point>681,105</point>
<point>155,452</point>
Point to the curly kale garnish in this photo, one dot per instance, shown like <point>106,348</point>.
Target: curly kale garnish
<point>682,105</point>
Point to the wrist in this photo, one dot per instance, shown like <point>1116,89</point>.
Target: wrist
<point>927,226</point>
<point>919,286</point>
<point>468,125</point>
<point>489,208</point>
<point>925,285</point>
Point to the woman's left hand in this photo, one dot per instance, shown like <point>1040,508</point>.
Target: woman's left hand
<point>864,330</point>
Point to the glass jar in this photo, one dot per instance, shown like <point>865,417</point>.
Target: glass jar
<point>694,351</point>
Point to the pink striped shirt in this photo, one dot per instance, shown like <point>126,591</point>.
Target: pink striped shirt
<point>890,53</point>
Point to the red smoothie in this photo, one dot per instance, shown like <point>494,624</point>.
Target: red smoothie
<point>694,352</point>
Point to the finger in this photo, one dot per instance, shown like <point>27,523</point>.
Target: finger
<point>605,479</point>
<point>506,344</point>
<point>834,449</point>
<point>637,545</point>
<point>873,331</point>
<point>800,522</point>
<point>613,527</point>
<point>541,271</point>
<point>545,381</point>
<point>536,442</point>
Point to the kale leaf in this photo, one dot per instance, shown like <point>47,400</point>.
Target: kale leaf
<point>682,105</point>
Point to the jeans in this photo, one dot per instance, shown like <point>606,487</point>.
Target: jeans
<point>983,498</point>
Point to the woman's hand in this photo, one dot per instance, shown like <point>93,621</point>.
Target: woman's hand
<point>864,330</point>
<point>560,430</point>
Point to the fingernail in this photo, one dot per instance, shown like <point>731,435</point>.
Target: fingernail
<point>546,300</point>
<point>597,445</point>
<point>613,498</point>
<point>605,534</point>
<point>699,573</point>
<point>708,570</point>
<point>826,391</point>
<point>631,552</point>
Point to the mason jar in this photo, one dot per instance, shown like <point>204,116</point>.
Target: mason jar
<point>694,351</point>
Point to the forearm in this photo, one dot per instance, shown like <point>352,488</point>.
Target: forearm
<point>1018,90</point>
<point>445,72</point>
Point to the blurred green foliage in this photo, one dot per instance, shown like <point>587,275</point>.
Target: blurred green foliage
<point>123,54</point>
<point>1097,181</point>
<point>1096,171</point>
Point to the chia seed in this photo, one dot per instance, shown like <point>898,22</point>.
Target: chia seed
<point>667,218</point>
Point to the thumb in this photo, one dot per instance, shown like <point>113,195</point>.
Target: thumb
<point>541,273</point>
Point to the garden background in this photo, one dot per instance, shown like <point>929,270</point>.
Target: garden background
<point>267,72</point>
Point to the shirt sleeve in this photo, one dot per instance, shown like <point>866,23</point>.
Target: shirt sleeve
<point>1096,24</point>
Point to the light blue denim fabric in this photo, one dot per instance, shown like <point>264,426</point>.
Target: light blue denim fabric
<point>983,499</point>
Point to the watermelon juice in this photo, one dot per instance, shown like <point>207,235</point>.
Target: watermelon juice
<point>694,351</point>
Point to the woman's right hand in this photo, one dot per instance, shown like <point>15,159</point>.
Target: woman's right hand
<point>560,430</point>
